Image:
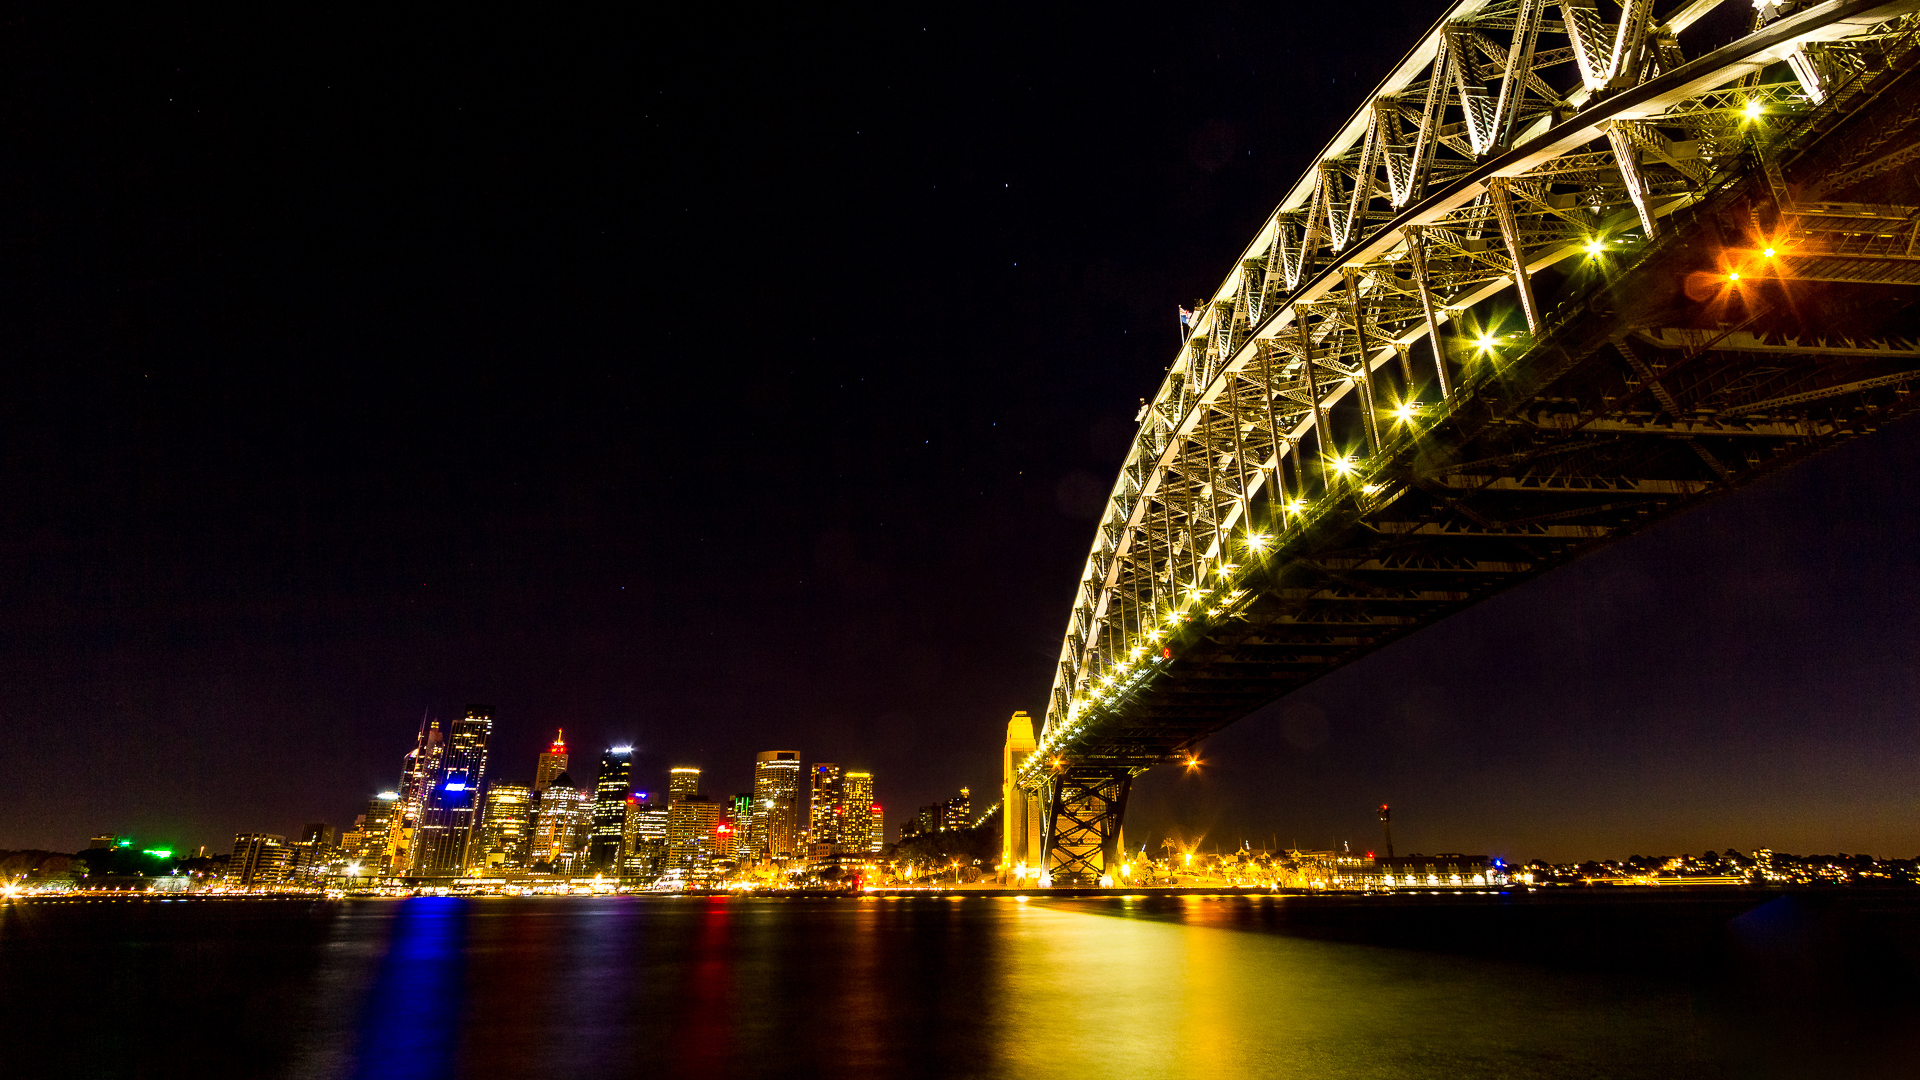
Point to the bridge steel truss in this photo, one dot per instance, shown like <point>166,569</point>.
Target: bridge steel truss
<point>1556,279</point>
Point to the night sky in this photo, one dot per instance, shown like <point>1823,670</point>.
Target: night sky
<point>727,385</point>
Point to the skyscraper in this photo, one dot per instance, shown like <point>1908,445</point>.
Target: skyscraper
<point>682,782</point>
<point>559,824</point>
<point>417,774</point>
<point>690,835</point>
<point>445,834</point>
<point>877,832</point>
<point>643,848</point>
<point>610,793</point>
<point>553,762</point>
<point>506,833</point>
<point>259,860</point>
<point>1020,821</point>
<point>776,804</point>
<point>856,821</point>
<point>823,803</point>
<point>371,843</point>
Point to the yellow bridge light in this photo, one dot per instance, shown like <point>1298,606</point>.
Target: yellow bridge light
<point>1486,342</point>
<point>1769,253</point>
<point>1735,276</point>
<point>1343,465</point>
<point>1406,411</point>
<point>1597,245</point>
<point>1754,109</point>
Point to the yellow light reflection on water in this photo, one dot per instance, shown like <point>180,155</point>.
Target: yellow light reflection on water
<point>1120,991</point>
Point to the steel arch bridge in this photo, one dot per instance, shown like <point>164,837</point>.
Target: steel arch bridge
<point>1566,271</point>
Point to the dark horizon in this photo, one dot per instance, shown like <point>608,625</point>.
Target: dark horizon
<point>725,397</point>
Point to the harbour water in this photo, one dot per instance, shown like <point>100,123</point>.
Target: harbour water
<point>1515,986</point>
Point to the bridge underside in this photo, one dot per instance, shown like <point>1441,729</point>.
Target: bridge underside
<point>1773,317</point>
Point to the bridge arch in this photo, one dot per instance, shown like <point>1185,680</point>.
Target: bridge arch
<point>1377,419</point>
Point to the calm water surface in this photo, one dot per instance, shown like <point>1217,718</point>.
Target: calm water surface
<point>989,987</point>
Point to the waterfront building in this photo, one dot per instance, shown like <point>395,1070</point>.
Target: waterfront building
<point>877,831</point>
<point>643,846</point>
<point>1020,812</point>
<point>610,792</point>
<point>553,762</point>
<point>371,842</point>
<point>824,785</point>
<point>1446,870</point>
<point>258,860</point>
<point>506,832</point>
<point>559,823</point>
<point>443,838</point>
<point>739,819</point>
<point>856,812</point>
<point>776,804</point>
<point>690,832</point>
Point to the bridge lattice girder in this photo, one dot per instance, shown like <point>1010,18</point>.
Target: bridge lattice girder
<point>1490,329</point>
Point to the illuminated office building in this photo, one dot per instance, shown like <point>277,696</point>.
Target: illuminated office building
<point>553,762</point>
<point>777,821</point>
<point>506,832</point>
<point>560,823</point>
<point>877,832</point>
<point>314,852</point>
<point>856,817</point>
<point>1020,812</point>
<point>739,819</point>
<point>690,832</point>
<point>371,842</point>
<point>682,782</point>
<point>643,846</point>
<point>259,860</point>
<point>610,791</point>
<point>958,812</point>
<point>417,773</point>
<point>444,837</point>
<point>823,804</point>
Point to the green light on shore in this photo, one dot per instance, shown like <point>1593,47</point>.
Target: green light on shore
<point>159,852</point>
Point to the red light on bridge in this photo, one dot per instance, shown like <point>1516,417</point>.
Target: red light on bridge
<point>1166,653</point>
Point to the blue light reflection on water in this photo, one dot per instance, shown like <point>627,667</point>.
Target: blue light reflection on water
<point>411,1021</point>
<point>1209,988</point>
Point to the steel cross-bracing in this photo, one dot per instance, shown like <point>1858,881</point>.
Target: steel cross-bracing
<point>1570,268</point>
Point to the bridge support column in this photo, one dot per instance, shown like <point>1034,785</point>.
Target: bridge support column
<point>1083,825</point>
<point>1510,233</point>
<point>1417,257</point>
